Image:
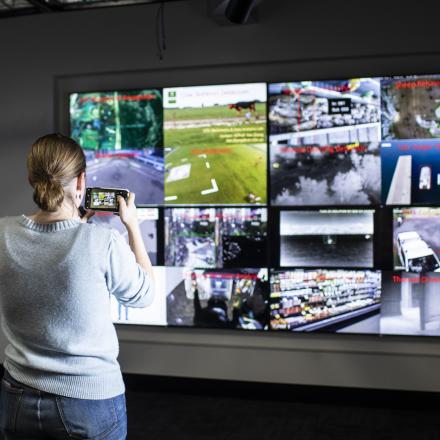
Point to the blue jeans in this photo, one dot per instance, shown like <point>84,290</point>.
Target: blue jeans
<point>29,414</point>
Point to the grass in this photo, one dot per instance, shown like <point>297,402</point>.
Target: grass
<point>249,134</point>
<point>216,112</point>
<point>238,171</point>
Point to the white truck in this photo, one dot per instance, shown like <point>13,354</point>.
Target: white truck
<point>415,254</point>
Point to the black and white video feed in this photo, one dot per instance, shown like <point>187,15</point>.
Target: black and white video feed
<point>243,237</point>
<point>216,237</point>
<point>410,304</point>
<point>343,174</point>
<point>416,239</point>
<point>229,299</point>
<point>327,238</point>
<point>147,218</point>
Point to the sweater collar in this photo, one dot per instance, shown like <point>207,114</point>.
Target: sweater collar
<point>48,227</point>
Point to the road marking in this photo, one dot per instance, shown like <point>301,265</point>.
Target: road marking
<point>169,198</point>
<point>210,190</point>
<point>207,165</point>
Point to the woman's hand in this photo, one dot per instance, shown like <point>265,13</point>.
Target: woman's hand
<point>127,211</point>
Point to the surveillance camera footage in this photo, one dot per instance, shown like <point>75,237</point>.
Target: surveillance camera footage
<point>411,107</point>
<point>215,237</point>
<point>344,174</point>
<point>411,172</point>
<point>327,238</point>
<point>416,239</point>
<point>154,314</point>
<point>147,218</point>
<point>191,237</point>
<point>345,301</point>
<point>121,134</point>
<point>324,112</point>
<point>228,299</point>
<point>410,304</point>
<point>215,139</point>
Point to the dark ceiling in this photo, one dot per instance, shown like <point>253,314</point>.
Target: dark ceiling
<point>11,8</point>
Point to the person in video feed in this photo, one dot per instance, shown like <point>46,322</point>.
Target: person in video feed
<point>57,274</point>
<point>248,310</point>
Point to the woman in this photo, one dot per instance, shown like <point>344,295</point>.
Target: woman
<point>57,272</point>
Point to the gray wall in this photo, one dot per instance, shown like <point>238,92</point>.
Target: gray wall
<point>41,55</point>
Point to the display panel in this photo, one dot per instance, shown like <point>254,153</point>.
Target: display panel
<point>338,149</point>
<point>411,107</point>
<point>215,237</point>
<point>416,239</point>
<point>325,300</point>
<point>336,174</point>
<point>234,299</point>
<point>411,172</point>
<point>147,217</point>
<point>121,133</point>
<point>154,314</point>
<point>326,238</point>
<point>410,304</point>
<point>215,139</point>
<point>324,112</point>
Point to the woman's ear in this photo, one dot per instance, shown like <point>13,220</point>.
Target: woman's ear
<point>81,181</point>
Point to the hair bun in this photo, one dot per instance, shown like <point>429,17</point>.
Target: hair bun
<point>53,162</point>
<point>48,195</point>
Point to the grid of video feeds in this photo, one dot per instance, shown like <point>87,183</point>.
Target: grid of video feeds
<point>304,206</point>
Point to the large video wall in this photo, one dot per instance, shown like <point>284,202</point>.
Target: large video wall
<point>298,206</point>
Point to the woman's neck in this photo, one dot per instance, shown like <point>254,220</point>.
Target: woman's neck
<point>64,213</point>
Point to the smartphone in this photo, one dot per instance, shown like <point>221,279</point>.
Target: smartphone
<point>105,199</point>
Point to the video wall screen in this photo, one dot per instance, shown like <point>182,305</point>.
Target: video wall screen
<point>215,144</point>
<point>331,300</point>
<point>326,238</point>
<point>216,237</point>
<point>122,136</point>
<point>148,219</point>
<point>416,239</point>
<point>303,206</point>
<point>410,304</point>
<point>155,314</point>
<point>218,299</point>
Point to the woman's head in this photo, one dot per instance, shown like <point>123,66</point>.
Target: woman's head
<point>56,166</point>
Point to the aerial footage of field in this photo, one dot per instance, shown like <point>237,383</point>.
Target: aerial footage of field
<point>215,144</point>
<point>233,174</point>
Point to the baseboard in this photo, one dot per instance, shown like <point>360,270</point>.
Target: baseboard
<point>313,394</point>
<point>284,392</point>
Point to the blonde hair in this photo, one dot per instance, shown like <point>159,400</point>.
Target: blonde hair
<point>52,163</point>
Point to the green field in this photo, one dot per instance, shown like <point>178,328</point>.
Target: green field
<point>216,112</point>
<point>249,134</point>
<point>237,169</point>
<point>212,125</point>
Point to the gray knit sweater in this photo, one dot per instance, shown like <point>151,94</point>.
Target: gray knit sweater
<point>55,286</point>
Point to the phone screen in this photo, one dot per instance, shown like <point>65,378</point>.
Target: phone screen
<point>103,200</point>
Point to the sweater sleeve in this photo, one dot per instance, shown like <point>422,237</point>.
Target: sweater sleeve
<point>126,280</point>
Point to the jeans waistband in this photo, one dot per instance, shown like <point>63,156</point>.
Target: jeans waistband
<point>15,382</point>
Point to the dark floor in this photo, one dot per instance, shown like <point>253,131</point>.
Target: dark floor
<point>176,416</point>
